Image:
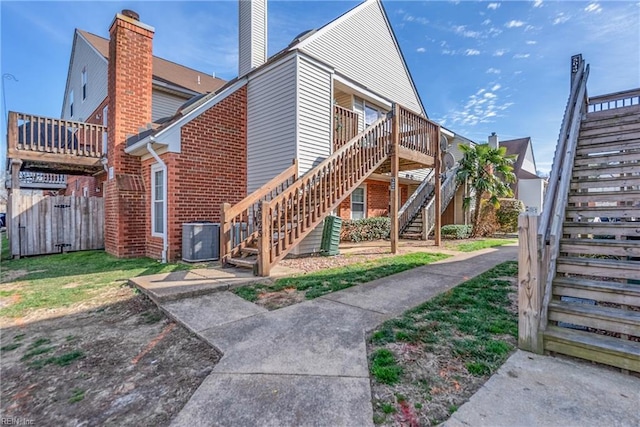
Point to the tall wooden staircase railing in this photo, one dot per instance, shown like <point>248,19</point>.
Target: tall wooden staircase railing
<point>579,280</point>
<point>240,223</point>
<point>280,222</point>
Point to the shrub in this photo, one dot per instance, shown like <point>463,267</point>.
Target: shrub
<point>508,214</point>
<point>455,231</point>
<point>503,219</point>
<point>365,229</point>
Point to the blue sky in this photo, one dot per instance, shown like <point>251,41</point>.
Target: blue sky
<point>480,66</point>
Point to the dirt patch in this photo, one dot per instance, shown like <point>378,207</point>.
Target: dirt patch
<point>123,363</point>
<point>12,275</point>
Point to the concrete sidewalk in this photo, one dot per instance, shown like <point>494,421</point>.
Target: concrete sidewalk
<point>306,364</point>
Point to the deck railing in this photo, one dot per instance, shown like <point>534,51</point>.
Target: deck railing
<point>417,133</point>
<point>37,134</point>
<point>240,222</point>
<point>345,126</point>
<point>614,100</point>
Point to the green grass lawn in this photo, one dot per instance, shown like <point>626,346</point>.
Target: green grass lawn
<point>334,279</point>
<point>53,281</point>
<point>481,244</point>
<point>454,339</point>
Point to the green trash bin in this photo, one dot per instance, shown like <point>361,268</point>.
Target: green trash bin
<point>331,236</point>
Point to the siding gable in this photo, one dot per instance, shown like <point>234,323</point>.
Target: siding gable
<point>361,46</point>
<point>84,55</point>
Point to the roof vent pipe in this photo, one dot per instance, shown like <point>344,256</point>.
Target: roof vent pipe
<point>131,14</point>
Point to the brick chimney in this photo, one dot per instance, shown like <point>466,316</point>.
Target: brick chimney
<point>252,37</point>
<point>129,92</point>
<point>493,140</point>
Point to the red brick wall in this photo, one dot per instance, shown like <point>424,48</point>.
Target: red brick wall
<point>129,93</point>
<point>377,199</point>
<point>211,169</point>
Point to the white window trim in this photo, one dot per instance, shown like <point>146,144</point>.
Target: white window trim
<point>157,168</point>
<point>364,202</point>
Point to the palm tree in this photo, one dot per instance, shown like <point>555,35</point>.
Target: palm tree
<point>488,171</point>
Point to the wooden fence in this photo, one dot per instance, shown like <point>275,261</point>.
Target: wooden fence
<point>40,224</point>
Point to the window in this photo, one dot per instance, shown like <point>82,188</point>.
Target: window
<point>105,112</point>
<point>371,114</point>
<point>157,206</point>
<point>358,210</point>
<point>71,104</point>
<point>84,83</point>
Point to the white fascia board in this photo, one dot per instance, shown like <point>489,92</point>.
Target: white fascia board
<point>170,135</point>
<point>363,92</point>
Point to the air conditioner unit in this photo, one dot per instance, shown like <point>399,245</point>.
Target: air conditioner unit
<point>200,241</point>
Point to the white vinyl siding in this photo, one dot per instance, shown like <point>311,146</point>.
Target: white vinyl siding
<point>85,57</point>
<point>253,35</point>
<point>314,115</point>
<point>271,123</point>
<point>361,47</point>
<point>164,104</point>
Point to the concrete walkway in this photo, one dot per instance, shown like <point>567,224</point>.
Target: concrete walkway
<point>306,364</point>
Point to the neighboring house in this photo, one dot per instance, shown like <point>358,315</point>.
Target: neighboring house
<point>529,187</point>
<point>86,94</point>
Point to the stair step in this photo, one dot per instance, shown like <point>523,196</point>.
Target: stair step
<point>594,171</point>
<point>628,123</point>
<point>612,292</point>
<point>605,148</point>
<point>610,268</point>
<point>617,181</point>
<point>604,196</point>
<point>243,262</point>
<point>593,122</point>
<point>632,137</point>
<point>414,236</point>
<point>596,317</point>
<point>601,247</point>
<point>622,228</point>
<point>600,159</point>
<point>249,251</point>
<point>625,212</point>
<point>599,348</point>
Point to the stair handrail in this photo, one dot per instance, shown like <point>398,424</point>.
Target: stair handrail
<point>246,212</point>
<point>447,191</point>
<point>416,201</point>
<point>549,238</point>
<point>320,190</point>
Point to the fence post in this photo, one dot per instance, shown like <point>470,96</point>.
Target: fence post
<point>529,284</point>
<point>13,223</point>
<point>225,232</point>
<point>425,223</point>
<point>395,167</point>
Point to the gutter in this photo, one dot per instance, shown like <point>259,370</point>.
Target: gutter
<point>165,234</point>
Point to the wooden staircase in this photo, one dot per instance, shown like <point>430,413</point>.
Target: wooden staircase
<point>274,219</point>
<point>590,237</point>
<point>417,215</point>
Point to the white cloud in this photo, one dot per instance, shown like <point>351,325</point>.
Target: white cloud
<point>514,24</point>
<point>418,19</point>
<point>493,71</point>
<point>481,107</point>
<point>521,56</point>
<point>537,3</point>
<point>471,52</point>
<point>421,50</point>
<point>531,42</point>
<point>493,6</point>
<point>499,52</point>
<point>560,19</point>
<point>593,7</point>
<point>494,31</point>
<point>462,30</point>
<point>448,52</point>
<point>486,21</point>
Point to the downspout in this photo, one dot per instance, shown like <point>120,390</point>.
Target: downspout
<point>163,165</point>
